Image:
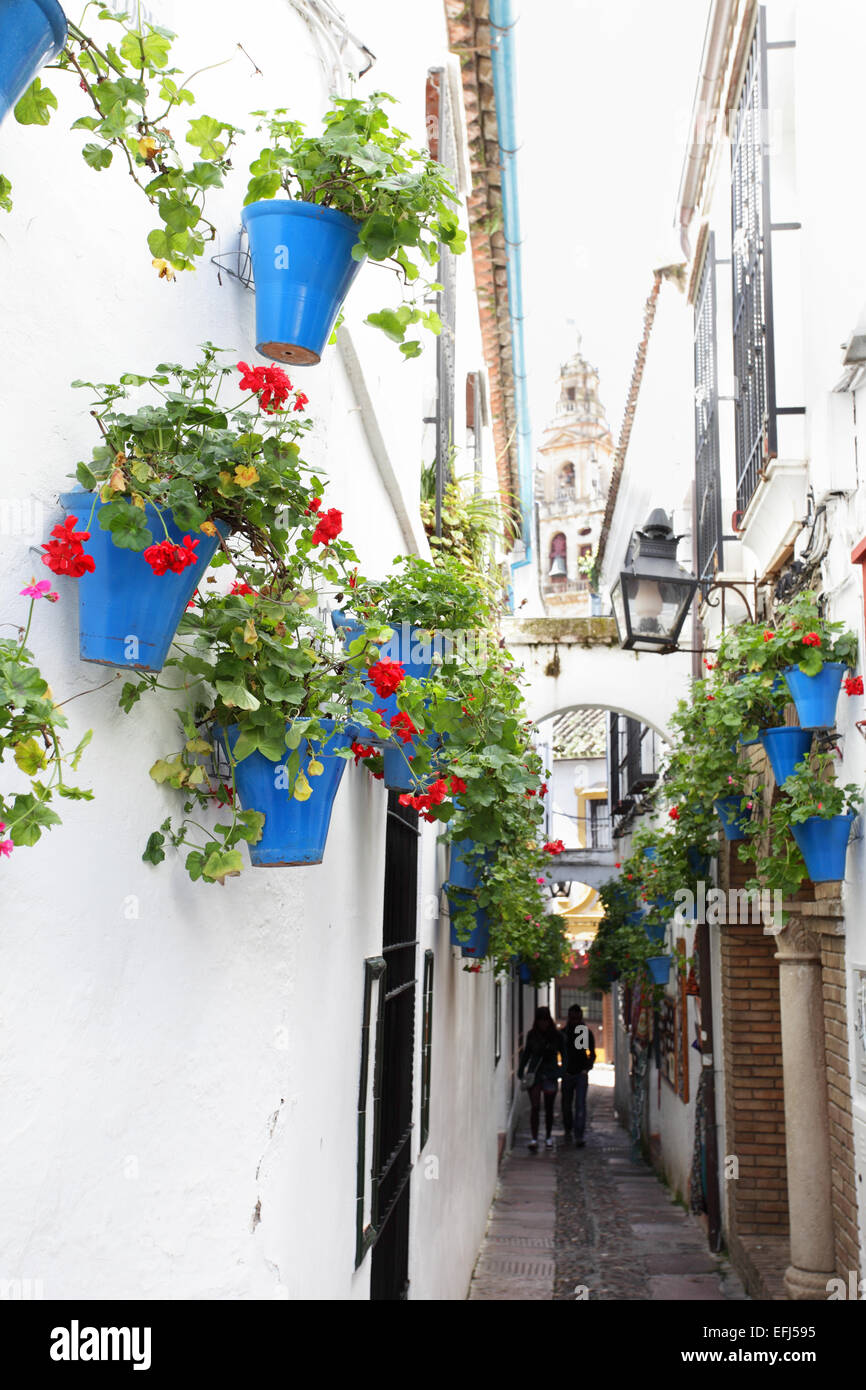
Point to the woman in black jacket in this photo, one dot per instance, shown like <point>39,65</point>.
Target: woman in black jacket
<point>541,1057</point>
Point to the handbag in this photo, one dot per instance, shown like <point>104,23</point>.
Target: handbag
<point>527,1081</point>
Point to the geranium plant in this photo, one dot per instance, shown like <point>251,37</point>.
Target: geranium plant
<point>812,791</point>
<point>122,65</point>
<point>363,166</point>
<point>31,726</point>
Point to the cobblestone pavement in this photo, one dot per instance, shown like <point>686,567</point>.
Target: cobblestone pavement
<point>590,1223</point>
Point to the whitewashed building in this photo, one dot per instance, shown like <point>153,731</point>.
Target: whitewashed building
<point>182,1063</point>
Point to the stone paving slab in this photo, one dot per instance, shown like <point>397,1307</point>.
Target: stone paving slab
<point>569,1219</point>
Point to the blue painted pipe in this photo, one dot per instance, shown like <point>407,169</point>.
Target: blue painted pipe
<point>502,48</point>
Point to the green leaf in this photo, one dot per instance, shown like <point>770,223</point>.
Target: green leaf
<point>412,348</point>
<point>222,864</point>
<point>390,322</point>
<point>36,105</point>
<point>130,695</point>
<point>29,756</point>
<point>97,156</point>
<point>154,852</point>
<point>127,524</point>
<point>262,186</point>
<point>86,477</point>
<point>203,132</point>
<point>250,825</point>
<point>5,190</point>
<point>236,695</point>
<point>145,51</point>
<point>205,175</point>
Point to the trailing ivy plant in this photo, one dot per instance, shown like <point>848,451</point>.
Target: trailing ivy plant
<point>361,165</point>
<point>132,91</point>
<point>31,726</point>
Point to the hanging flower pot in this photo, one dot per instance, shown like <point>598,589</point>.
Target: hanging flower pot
<point>32,32</point>
<point>816,696</point>
<point>824,846</point>
<point>654,931</point>
<point>303,270</point>
<point>127,613</point>
<point>295,832</point>
<point>734,821</point>
<point>462,872</point>
<point>476,945</point>
<point>698,862</point>
<point>659,968</point>
<point>785,748</point>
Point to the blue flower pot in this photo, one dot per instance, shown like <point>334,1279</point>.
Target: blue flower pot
<point>816,696</point>
<point>824,846</point>
<point>734,821</point>
<point>397,769</point>
<point>659,968</point>
<point>32,32</point>
<point>654,932</point>
<point>524,974</point>
<point>634,918</point>
<point>651,853</point>
<point>785,748</point>
<point>414,650</point>
<point>127,615</point>
<point>295,832</point>
<point>477,943</point>
<point>698,862</point>
<point>462,872</point>
<point>303,270</point>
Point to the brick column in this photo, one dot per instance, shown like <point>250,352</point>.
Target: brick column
<point>807,1125</point>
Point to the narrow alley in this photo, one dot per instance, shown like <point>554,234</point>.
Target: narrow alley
<point>593,1223</point>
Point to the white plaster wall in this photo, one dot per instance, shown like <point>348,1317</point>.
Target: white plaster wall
<point>179,1070</point>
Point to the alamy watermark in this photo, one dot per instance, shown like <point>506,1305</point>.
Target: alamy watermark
<point>724,907</point>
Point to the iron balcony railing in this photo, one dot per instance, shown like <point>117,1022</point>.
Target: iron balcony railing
<point>708,493</point>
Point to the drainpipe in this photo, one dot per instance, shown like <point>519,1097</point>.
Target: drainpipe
<point>705,110</point>
<point>502,52</point>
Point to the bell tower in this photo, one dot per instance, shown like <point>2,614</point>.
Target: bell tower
<point>572,477</point>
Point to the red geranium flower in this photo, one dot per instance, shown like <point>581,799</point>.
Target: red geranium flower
<point>362,751</point>
<point>313,506</point>
<point>457,785</point>
<point>168,556</point>
<point>386,676</point>
<point>268,383</point>
<point>300,401</point>
<point>674,813</point>
<point>853,685</point>
<point>811,639</point>
<point>769,635</point>
<point>240,587</point>
<point>329,526</point>
<point>403,727</point>
<point>554,847</point>
<point>65,554</point>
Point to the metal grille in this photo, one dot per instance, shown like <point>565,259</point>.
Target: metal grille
<point>389,1270</point>
<point>707,467</point>
<point>754,360</point>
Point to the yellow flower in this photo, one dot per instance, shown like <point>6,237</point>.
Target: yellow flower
<point>315,768</point>
<point>147,147</point>
<point>165,270</point>
<point>303,791</point>
<point>208,528</point>
<point>246,475</point>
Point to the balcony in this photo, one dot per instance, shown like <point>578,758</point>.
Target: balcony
<point>566,588</point>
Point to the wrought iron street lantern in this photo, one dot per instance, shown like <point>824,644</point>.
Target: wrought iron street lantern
<point>653,594</point>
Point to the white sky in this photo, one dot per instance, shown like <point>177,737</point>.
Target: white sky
<point>605,89</point>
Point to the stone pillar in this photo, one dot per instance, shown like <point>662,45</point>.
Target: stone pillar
<point>807,1126</point>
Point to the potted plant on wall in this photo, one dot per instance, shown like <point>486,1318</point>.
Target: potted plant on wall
<point>820,814</point>
<point>811,654</point>
<point>356,190</point>
<point>32,33</point>
<point>166,485</point>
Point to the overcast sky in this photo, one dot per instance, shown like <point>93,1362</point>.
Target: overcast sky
<point>604,97</point>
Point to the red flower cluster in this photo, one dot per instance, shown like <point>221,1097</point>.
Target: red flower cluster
<point>301,401</point>
<point>314,506</point>
<point>811,639</point>
<point>168,556</point>
<point>65,554</point>
<point>328,527</point>
<point>386,676</point>
<point>554,847</point>
<point>434,796</point>
<point>457,785</point>
<point>674,813</point>
<point>403,726</point>
<point>269,384</point>
<point>769,635</point>
<point>853,685</point>
<point>362,750</point>
<point>241,587</point>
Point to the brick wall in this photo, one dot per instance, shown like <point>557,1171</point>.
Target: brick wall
<point>754,1093</point>
<point>839,1099</point>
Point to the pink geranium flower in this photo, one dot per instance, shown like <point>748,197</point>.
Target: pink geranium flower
<point>42,589</point>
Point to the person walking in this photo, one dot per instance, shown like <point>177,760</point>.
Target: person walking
<point>578,1059</point>
<point>539,1070</point>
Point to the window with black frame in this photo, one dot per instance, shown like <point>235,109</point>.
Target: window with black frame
<point>751,263</point>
